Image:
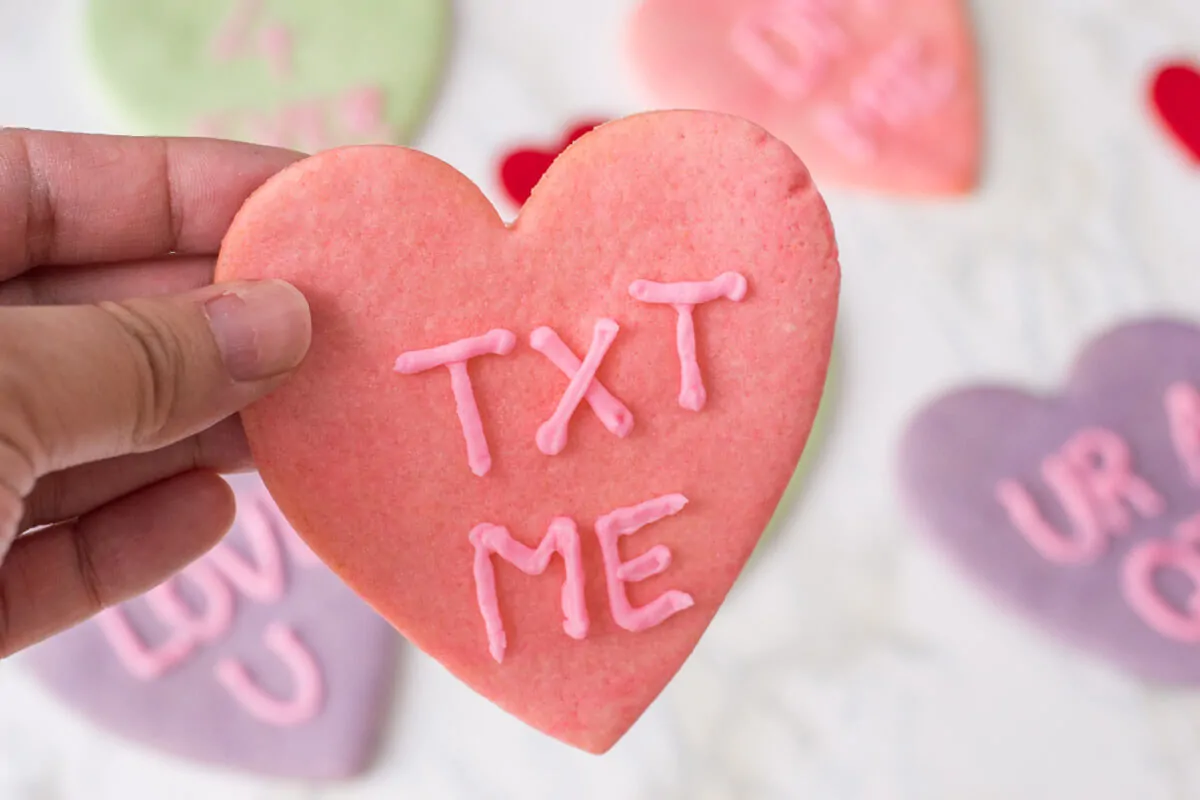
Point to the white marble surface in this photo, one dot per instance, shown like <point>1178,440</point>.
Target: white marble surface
<point>850,663</point>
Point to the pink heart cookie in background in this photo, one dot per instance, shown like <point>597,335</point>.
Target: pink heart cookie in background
<point>545,452</point>
<point>256,657</point>
<point>1081,509</point>
<point>872,94</point>
<point>1175,98</point>
<point>522,168</point>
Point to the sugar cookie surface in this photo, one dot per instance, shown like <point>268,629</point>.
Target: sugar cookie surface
<point>611,394</point>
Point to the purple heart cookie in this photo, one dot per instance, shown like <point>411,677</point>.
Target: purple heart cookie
<point>255,657</point>
<point>1082,510</point>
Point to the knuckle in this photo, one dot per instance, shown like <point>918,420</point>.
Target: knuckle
<point>158,357</point>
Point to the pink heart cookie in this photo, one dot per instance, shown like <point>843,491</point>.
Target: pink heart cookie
<point>876,94</point>
<point>544,452</point>
<point>254,657</point>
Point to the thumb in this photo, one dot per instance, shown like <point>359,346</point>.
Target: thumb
<point>83,383</point>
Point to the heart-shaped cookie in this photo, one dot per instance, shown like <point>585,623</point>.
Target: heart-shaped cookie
<point>255,657</point>
<point>1175,97</point>
<point>1082,510</point>
<point>545,451</point>
<point>306,74</point>
<point>876,94</point>
<point>521,169</point>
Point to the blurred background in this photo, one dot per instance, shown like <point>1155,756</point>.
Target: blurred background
<point>849,662</point>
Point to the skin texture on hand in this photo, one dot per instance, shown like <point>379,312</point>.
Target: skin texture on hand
<point>121,368</point>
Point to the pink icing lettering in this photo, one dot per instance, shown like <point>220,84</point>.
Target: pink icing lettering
<point>790,44</point>
<point>235,31</point>
<point>308,692</point>
<point>685,297</point>
<point>561,538</point>
<point>1101,460</point>
<point>215,617</point>
<point>611,412</point>
<point>1182,402</point>
<point>454,357</point>
<point>187,628</point>
<point>1086,545</point>
<point>898,88</point>
<point>552,435</point>
<point>623,522</point>
<point>362,110</point>
<point>138,658</point>
<point>301,125</point>
<point>275,42</point>
<point>1141,566</point>
<point>215,126</point>
<point>262,580</point>
<point>1090,476</point>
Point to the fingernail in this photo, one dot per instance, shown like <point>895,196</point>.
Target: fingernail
<point>262,329</point>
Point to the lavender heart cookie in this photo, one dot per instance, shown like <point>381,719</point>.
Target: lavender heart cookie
<point>255,657</point>
<point>1082,509</point>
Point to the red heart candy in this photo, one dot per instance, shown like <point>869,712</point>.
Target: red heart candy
<point>1175,95</point>
<point>877,94</point>
<point>521,170</point>
<point>667,262</point>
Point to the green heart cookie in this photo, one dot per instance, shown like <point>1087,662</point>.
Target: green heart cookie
<point>307,74</point>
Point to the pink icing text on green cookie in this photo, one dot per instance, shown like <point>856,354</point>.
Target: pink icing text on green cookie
<point>296,73</point>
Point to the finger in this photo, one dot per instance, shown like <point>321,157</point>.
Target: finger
<point>60,576</point>
<point>84,199</point>
<point>67,494</point>
<point>87,383</point>
<point>66,286</point>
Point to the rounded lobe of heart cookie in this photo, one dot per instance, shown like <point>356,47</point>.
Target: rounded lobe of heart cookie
<point>1175,96</point>
<point>874,94</point>
<point>521,169</point>
<point>1078,509</point>
<point>398,253</point>
<point>303,74</point>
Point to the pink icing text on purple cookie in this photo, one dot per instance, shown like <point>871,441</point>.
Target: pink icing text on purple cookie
<point>552,434</point>
<point>1144,563</point>
<point>187,628</point>
<point>685,296</point>
<point>454,357</point>
<point>139,659</point>
<point>1093,479</point>
<point>898,89</point>
<point>262,580</point>
<point>190,628</point>
<point>211,621</point>
<point>623,522</point>
<point>308,691</point>
<point>790,44</point>
<point>1182,402</point>
<point>561,538</point>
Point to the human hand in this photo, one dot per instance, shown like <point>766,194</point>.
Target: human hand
<point>116,414</point>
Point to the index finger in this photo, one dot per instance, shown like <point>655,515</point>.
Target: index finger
<point>83,199</point>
